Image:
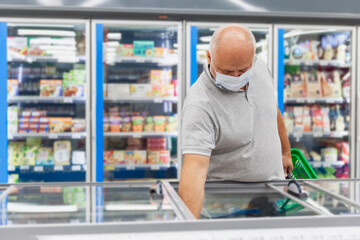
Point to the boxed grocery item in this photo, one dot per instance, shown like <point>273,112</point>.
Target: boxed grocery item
<point>329,154</point>
<point>45,157</point>
<point>29,156</point>
<point>26,113</point>
<point>78,157</point>
<point>44,124</point>
<point>289,122</point>
<point>74,83</point>
<point>115,90</point>
<point>17,45</point>
<point>59,125</point>
<point>149,125</point>
<point>298,86</point>
<point>50,88</point>
<point>317,119</point>
<point>171,125</point>
<point>71,90</point>
<point>135,157</point>
<point>144,48</point>
<point>115,124</point>
<point>167,90</point>
<point>160,76</point>
<point>313,84</point>
<point>159,122</point>
<point>175,83</point>
<point>344,150</point>
<point>160,52</point>
<point>13,113</point>
<point>106,124</point>
<point>13,178</point>
<point>15,153</point>
<point>24,125</point>
<point>125,50</point>
<point>156,143</point>
<point>12,87</point>
<point>140,90</point>
<point>108,157</point>
<point>325,118</point>
<point>158,157</point>
<point>299,123</point>
<point>331,85</point>
<point>306,119</point>
<point>78,125</point>
<point>34,124</point>
<point>137,123</point>
<point>62,151</point>
<point>156,90</point>
<point>127,126</point>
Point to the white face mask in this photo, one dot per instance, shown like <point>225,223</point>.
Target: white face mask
<point>231,83</point>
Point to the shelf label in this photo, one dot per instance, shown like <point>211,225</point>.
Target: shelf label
<point>130,167</point>
<point>109,167</point>
<point>75,168</point>
<point>155,167</point>
<point>58,168</point>
<point>68,100</point>
<point>38,169</point>
<point>140,60</point>
<point>53,136</point>
<point>318,134</point>
<point>137,135</point>
<point>330,100</point>
<point>300,100</point>
<point>311,100</point>
<point>11,168</point>
<point>158,100</point>
<point>76,135</point>
<point>24,167</point>
<point>336,134</point>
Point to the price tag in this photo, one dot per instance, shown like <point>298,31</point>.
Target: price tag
<point>53,136</point>
<point>68,100</point>
<point>298,134</point>
<point>330,100</point>
<point>140,60</point>
<point>26,168</point>
<point>318,134</point>
<point>311,100</point>
<point>137,135</point>
<point>300,100</point>
<point>158,100</point>
<point>109,167</point>
<point>38,169</point>
<point>130,167</point>
<point>76,135</point>
<point>11,168</point>
<point>75,168</point>
<point>58,168</point>
<point>155,167</point>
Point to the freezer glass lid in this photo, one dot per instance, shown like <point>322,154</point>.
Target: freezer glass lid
<point>87,203</point>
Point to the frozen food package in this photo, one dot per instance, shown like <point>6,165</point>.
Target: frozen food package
<point>17,46</point>
<point>78,125</point>
<point>125,50</point>
<point>12,87</point>
<point>115,90</point>
<point>287,82</point>
<point>297,86</point>
<point>15,153</point>
<point>50,88</point>
<point>160,76</point>
<point>29,156</point>
<point>108,159</point>
<point>313,84</point>
<point>140,157</point>
<point>144,48</point>
<point>298,122</point>
<point>346,85</point>
<point>137,123</point>
<point>329,154</point>
<point>289,122</point>
<point>129,157</point>
<point>167,90</point>
<point>78,158</point>
<point>331,85</point>
<point>45,157</point>
<point>318,123</point>
<point>119,157</point>
<point>62,152</point>
<point>59,125</point>
<point>140,90</point>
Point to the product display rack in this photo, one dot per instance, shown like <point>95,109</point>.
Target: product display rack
<point>139,83</point>
<point>198,39</point>
<point>316,76</point>
<point>48,100</point>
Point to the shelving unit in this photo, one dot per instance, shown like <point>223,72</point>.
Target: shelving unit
<point>326,164</point>
<point>140,134</point>
<point>31,59</point>
<point>141,99</point>
<point>319,134</point>
<point>168,61</point>
<point>333,63</point>
<point>66,135</point>
<point>323,100</point>
<point>38,99</point>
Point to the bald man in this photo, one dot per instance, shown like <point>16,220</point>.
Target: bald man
<point>232,127</point>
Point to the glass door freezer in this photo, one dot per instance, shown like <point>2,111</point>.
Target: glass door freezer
<point>198,37</point>
<point>45,95</point>
<point>136,99</point>
<point>316,67</point>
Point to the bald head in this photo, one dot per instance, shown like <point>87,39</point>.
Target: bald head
<point>232,49</point>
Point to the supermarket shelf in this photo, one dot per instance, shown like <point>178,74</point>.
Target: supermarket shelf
<point>38,99</point>
<point>141,99</point>
<point>334,63</point>
<point>138,59</point>
<point>309,100</point>
<point>326,164</point>
<point>67,135</point>
<point>139,134</point>
<point>37,76</point>
<point>138,166</point>
<point>45,169</point>
<point>30,59</point>
<point>319,134</point>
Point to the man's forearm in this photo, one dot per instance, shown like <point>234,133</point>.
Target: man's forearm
<point>285,144</point>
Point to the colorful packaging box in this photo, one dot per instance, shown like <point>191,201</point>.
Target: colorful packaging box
<point>59,125</point>
<point>45,157</point>
<point>167,90</point>
<point>115,90</point>
<point>12,87</point>
<point>50,88</point>
<point>125,50</point>
<point>78,125</point>
<point>140,90</point>
<point>15,153</point>
<point>17,45</point>
<point>62,152</point>
<point>144,48</point>
<point>160,76</point>
<point>78,158</point>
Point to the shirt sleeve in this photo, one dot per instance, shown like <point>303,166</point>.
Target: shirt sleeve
<point>198,132</point>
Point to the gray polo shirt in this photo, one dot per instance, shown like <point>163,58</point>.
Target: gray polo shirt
<point>238,130</point>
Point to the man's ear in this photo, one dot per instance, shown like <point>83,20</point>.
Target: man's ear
<point>208,57</point>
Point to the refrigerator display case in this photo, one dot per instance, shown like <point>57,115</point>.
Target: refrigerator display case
<point>45,95</point>
<point>148,210</point>
<point>316,93</point>
<point>198,39</point>
<point>137,97</point>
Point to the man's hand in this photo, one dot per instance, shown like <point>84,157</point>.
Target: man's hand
<point>287,163</point>
<point>192,182</point>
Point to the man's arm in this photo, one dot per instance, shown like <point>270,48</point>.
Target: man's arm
<point>285,144</point>
<point>192,181</point>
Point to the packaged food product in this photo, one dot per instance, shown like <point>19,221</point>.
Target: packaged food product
<point>17,45</point>
<point>129,157</point>
<point>15,153</point>
<point>78,125</point>
<point>26,113</point>
<point>34,124</point>
<point>149,126</point>
<point>106,124</point>
<point>287,83</point>
<point>299,125</point>
<point>175,83</point>
<point>36,114</point>
<point>298,86</point>
<point>12,87</point>
<point>13,127</point>
<point>156,90</point>
<point>160,76</point>
<point>78,158</point>
<point>313,84</point>
<point>45,157</point>
<point>171,125</point>
<point>160,52</point>
<point>164,157</point>
<point>12,113</point>
<point>137,123</point>
<point>317,118</point>
<point>329,154</point>
<point>331,85</point>
<point>13,178</point>
<point>71,90</point>
<point>140,157</point>
<point>62,152</point>
<point>29,156</point>
<point>140,90</point>
<point>306,119</point>
<point>153,157</point>
<point>159,123</point>
<point>127,127</point>
<point>50,88</point>
<point>44,124</point>
<point>115,124</point>
<point>115,90</point>
<point>125,50</point>
<point>108,157</point>
<point>58,125</point>
<point>144,48</point>
<point>167,90</point>
<point>289,122</point>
